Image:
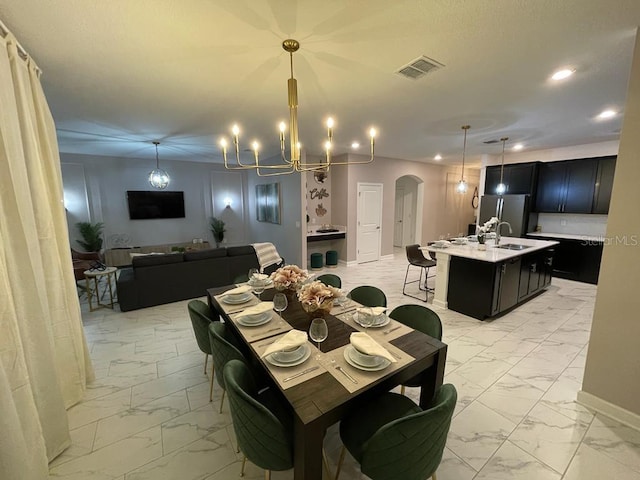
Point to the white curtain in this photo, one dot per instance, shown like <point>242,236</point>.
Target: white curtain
<point>44,362</point>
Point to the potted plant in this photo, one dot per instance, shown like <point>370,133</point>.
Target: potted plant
<point>217,228</point>
<point>91,236</point>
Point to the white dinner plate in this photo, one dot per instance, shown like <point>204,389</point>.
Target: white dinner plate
<point>255,320</point>
<point>384,364</point>
<point>233,300</point>
<point>378,322</point>
<point>289,358</point>
<point>274,361</point>
<point>267,283</point>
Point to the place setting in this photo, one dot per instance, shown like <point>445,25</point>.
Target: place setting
<point>237,299</point>
<point>260,321</point>
<point>288,358</point>
<point>364,360</point>
<point>343,304</point>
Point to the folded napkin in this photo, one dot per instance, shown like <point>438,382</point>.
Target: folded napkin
<point>259,276</point>
<point>256,309</point>
<point>371,310</point>
<point>293,339</point>
<point>365,344</point>
<point>238,290</point>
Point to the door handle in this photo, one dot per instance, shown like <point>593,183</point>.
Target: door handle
<point>378,227</point>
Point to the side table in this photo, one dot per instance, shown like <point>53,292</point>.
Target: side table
<point>95,275</point>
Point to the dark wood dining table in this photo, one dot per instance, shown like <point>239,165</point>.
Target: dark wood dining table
<point>322,401</point>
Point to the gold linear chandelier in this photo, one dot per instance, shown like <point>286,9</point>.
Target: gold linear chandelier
<point>293,163</point>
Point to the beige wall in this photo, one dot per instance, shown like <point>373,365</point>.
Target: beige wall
<point>613,362</point>
<point>443,211</point>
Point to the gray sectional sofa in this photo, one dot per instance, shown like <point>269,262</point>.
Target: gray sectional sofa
<point>158,279</point>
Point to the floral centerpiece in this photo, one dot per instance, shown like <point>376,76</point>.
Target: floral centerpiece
<point>317,298</point>
<point>486,228</point>
<point>289,277</point>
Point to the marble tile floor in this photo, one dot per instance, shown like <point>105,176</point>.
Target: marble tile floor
<point>147,414</point>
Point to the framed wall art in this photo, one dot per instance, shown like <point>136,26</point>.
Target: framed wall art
<point>268,203</point>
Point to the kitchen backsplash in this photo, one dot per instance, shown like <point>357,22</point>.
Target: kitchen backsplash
<point>592,225</point>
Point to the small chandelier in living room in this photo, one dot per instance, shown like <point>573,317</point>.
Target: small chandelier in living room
<point>462,184</point>
<point>158,178</point>
<point>292,163</point>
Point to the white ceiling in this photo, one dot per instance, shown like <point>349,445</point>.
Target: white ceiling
<point>119,74</point>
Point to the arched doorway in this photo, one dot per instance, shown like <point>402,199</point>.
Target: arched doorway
<point>409,198</point>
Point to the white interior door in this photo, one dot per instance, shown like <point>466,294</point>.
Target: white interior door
<point>408,222</point>
<point>369,222</point>
<point>398,230</point>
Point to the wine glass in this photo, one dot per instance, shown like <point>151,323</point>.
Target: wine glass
<point>366,319</point>
<point>318,331</point>
<point>257,286</point>
<point>280,303</point>
<point>252,272</point>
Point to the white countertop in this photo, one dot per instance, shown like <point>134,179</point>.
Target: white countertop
<point>312,232</point>
<point>492,254</point>
<point>568,236</point>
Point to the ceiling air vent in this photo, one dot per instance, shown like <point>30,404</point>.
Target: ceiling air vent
<point>419,67</point>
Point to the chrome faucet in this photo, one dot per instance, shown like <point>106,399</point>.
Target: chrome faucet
<point>500,224</point>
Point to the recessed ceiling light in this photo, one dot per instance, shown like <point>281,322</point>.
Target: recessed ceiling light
<point>607,114</point>
<point>518,146</point>
<point>355,145</point>
<point>562,74</point>
<point>438,157</point>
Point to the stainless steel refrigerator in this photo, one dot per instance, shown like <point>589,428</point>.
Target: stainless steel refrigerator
<point>514,209</point>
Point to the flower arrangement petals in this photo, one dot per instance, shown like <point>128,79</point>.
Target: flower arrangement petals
<point>316,295</point>
<point>289,276</point>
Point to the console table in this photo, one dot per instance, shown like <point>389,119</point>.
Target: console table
<point>121,257</point>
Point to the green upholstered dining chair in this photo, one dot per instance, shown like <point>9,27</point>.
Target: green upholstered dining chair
<point>368,296</point>
<point>330,279</point>
<point>201,316</point>
<point>262,423</point>
<point>223,350</point>
<point>392,437</point>
<point>422,319</point>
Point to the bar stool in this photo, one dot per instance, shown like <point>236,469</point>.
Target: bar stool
<point>331,259</point>
<point>316,261</point>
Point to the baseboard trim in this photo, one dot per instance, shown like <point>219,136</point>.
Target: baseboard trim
<point>352,263</point>
<point>387,257</point>
<point>620,414</point>
<point>440,303</point>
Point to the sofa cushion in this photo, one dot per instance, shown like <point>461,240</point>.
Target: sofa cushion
<point>203,254</point>
<point>151,260</point>
<point>242,250</point>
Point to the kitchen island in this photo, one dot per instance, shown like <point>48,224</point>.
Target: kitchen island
<point>487,283</point>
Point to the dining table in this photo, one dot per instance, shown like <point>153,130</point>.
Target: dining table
<point>323,388</point>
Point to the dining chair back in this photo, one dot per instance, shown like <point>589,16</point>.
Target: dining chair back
<point>331,279</point>
<point>201,317</point>
<point>263,427</point>
<point>417,259</point>
<point>422,319</point>
<point>392,437</point>
<point>223,350</point>
<point>369,296</point>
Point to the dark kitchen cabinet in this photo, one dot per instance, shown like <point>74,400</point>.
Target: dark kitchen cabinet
<point>567,187</point>
<point>508,279</point>
<point>604,185</point>
<point>577,260</point>
<point>535,273</point>
<point>519,178</point>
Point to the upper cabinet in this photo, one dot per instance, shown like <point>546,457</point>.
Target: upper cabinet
<point>604,185</point>
<point>575,186</point>
<point>519,178</point>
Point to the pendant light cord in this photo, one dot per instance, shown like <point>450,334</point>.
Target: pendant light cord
<point>157,160</point>
<point>464,149</point>
<point>503,140</point>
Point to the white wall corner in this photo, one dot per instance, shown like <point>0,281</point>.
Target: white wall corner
<point>609,409</point>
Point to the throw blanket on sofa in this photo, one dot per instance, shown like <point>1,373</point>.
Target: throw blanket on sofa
<point>267,254</point>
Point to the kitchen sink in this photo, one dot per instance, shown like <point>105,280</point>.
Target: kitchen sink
<point>514,246</point>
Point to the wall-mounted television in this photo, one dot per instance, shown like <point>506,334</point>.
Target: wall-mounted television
<point>155,204</point>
